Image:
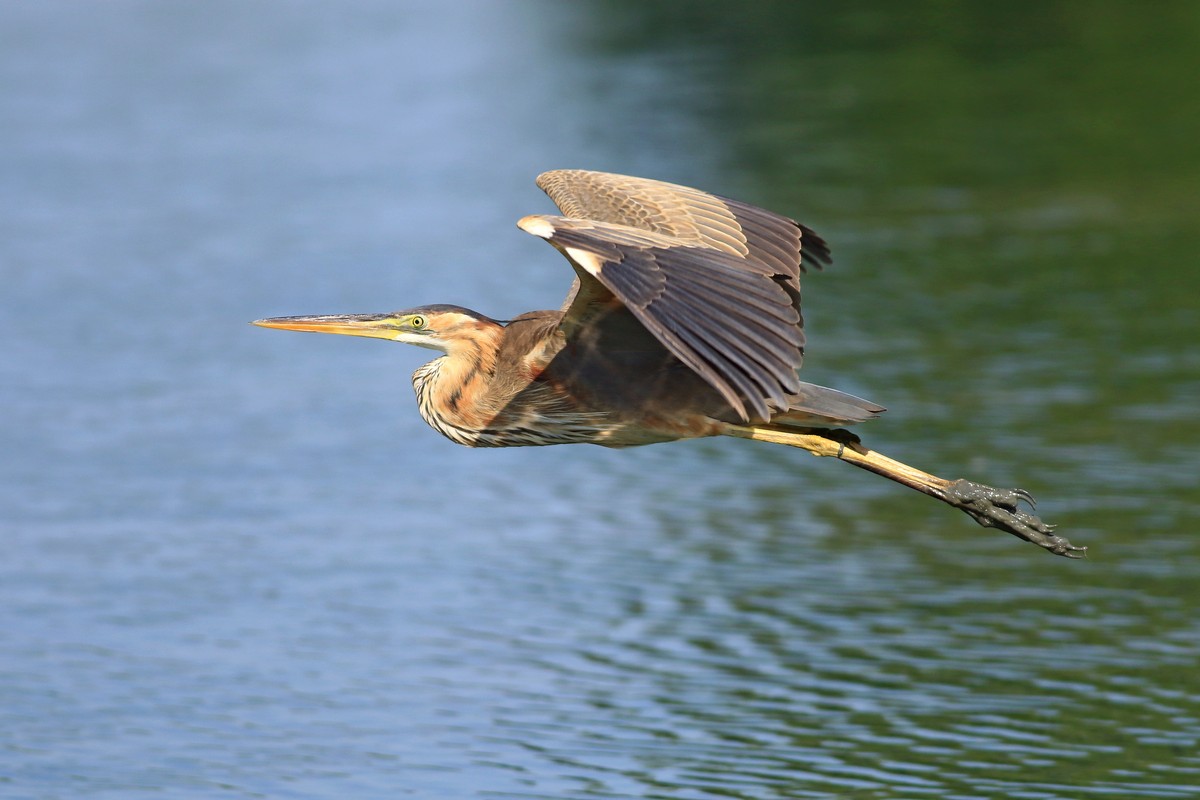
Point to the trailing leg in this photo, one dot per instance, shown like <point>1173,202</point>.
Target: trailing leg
<point>990,507</point>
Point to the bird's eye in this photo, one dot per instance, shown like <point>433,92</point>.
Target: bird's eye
<point>416,323</point>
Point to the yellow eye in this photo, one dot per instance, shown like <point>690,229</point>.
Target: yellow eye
<point>416,323</point>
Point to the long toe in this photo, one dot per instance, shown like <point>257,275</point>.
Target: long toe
<point>998,508</point>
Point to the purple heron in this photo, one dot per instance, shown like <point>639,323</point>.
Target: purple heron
<point>683,321</point>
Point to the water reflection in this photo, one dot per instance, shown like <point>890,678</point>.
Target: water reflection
<point>237,563</point>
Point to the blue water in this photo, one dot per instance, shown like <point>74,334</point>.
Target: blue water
<point>237,564</point>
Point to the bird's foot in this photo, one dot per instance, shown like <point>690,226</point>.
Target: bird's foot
<point>1000,508</point>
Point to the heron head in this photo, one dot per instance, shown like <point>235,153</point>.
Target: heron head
<point>437,327</point>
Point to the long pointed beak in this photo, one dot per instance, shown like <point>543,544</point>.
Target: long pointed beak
<point>376,326</point>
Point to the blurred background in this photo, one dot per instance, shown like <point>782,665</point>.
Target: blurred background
<point>236,563</point>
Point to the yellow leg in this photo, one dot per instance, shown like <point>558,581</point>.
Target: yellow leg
<point>991,508</point>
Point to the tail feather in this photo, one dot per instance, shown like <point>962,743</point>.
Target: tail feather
<point>820,407</point>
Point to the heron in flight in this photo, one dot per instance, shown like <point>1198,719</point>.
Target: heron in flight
<point>683,321</point>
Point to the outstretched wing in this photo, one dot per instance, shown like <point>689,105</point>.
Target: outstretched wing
<point>716,281</point>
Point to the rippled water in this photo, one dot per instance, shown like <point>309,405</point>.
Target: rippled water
<point>237,564</point>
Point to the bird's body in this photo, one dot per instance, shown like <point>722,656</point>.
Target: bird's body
<point>468,398</point>
<point>537,400</point>
<point>527,383</point>
<point>684,321</point>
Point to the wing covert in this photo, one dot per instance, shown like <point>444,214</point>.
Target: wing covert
<point>688,215</point>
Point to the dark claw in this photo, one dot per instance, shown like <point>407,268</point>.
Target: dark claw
<point>1026,496</point>
<point>998,508</point>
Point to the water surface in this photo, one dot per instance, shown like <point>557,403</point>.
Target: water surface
<point>237,564</point>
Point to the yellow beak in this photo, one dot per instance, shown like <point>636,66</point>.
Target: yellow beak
<point>376,326</point>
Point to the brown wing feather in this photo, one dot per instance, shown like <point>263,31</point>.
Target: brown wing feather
<point>716,281</point>
<point>688,215</point>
